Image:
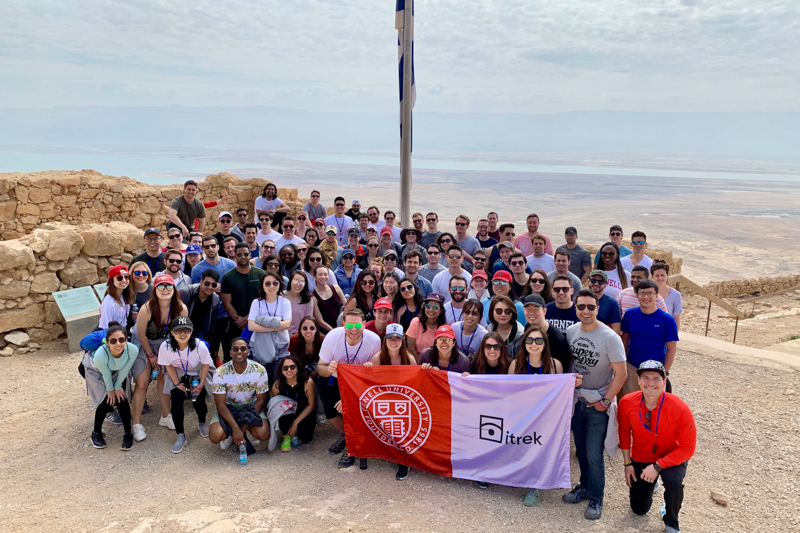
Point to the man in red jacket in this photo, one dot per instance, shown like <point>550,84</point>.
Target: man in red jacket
<point>657,436</point>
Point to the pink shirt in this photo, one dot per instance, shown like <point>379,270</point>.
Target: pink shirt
<point>627,300</point>
<point>424,339</point>
<point>523,242</point>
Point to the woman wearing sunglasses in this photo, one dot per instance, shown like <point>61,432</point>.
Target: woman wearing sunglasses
<point>365,294</point>
<point>119,296</point>
<point>539,284</point>
<point>142,283</point>
<point>150,332</point>
<point>175,240</point>
<point>373,245</point>
<point>272,264</point>
<point>469,332</point>
<point>294,383</point>
<point>618,277</point>
<point>305,346</point>
<point>311,237</point>
<point>303,225</point>
<point>106,371</point>
<point>329,298</point>
<point>188,363</point>
<point>491,357</point>
<point>313,259</point>
<point>407,304</point>
<point>445,241</point>
<point>300,299</point>
<point>443,354</point>
<point>503,320</point>
<point>421,332</point>
<point>501,286</point>
<point>275,310</point>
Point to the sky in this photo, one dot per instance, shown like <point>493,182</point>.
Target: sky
<point>503,56</point>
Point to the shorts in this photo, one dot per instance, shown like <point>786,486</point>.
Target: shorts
<point>215,418</point>
<point>330,396</point>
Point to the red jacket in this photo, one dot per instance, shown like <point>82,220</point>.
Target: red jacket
<point>677,434</point>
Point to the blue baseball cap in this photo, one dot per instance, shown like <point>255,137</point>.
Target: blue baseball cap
<point>194,249</point>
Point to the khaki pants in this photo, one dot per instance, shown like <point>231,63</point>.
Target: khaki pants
<point>631,382</point>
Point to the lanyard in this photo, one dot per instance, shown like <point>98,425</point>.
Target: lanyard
<point>180,360</point>
<point>347,355</point>
<point>541,368</point>
<point>658,418</point>
<point>453,310</point>
<point>266,304</point>
<point>152,269</point>
<point>341,227</point>
<point>467,348</point>
<point>409,313</point>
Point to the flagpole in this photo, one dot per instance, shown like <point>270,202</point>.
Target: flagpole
<point>405,116</point>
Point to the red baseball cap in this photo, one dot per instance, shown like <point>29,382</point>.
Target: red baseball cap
<point>445,331</point>
<point>480,274</point>
<point>386,229</point>
<point>383,303</point>
<point>163,279</point>
<point>117,271</point>
<point>502,275</point>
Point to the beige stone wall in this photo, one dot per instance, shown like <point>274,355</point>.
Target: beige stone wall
<point>86,196</point>
<point>752,287</point>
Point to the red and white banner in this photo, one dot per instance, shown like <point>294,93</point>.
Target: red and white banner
<point>505,429</point>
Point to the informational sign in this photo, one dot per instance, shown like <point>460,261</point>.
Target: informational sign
<point>100,290</point>
<point>76,301</point>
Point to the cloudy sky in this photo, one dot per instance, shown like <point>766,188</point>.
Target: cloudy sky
<point>472,55</point>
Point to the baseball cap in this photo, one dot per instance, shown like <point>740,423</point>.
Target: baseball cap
<point>445,331</point>
<point>331,228</point>
<point>533,299</point>
<point>572,230</point>
<point>163,279</point>
<point>353,231</point>
<point>320,220</point>
<point>348,251</point>
<point>502,275</point>
<point>224,214</point>
<point>652,366</point>
<point>393,330</point>
<point>372,227</point>
<point>181,322</point>
<point>598,273</point>
<point>383,303</point>
<point>386,229</point>
<point>194,249</point>
<point>387,253</point>
<point>480,274</point>
<point>149,231</point>
<point>118,270</point>
<point>356,201</point>
<point>505,245</point>
<point>616,227</point>
<point>435,297</point>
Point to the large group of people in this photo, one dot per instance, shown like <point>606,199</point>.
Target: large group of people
<point>269,306</point>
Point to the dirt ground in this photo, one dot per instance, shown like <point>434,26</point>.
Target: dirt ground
<point>748,420</point>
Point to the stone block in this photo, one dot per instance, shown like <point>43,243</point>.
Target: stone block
<point>19,338</point>
<point>21,192</point>
<point>40,335</point>
<point>63,241</point>
<point>45,282</point>
<point>52,314</point>
<point>15,254</point>
<point>27,317</point>
<point>79,273</point>
<point>65,200</point>
<point>28,210</point>
<point>102,241</point>
<point>15,289</point>
<point>133,235</point>
<point>68,181</point>
<point>39,196</point>
<point>7,209</point>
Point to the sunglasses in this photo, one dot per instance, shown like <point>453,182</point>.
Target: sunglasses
<point>609,254</point>
<point>499,311</point>
<point>290,367</point>
<point>289,227</point>
<point>561,289</point>
<point>302,250</point>
<point>302,218</point>
<point>164,287</point>
<point>212,284</point>
<point>309,328</point>
<point>638,243</point>
<point>446,240</point>
<point>209,246</point>
<point>243,214</point>
<point>116,340</point>
<point>265,219</point>
<point>581,307</point>
<point>432,306</point>
<point>315,196</point>
<point>240,349</point>
<point>225,220</point>
<point>140,272</point>
<point>372,246</point>
<point>354,326</point>
<point>330,233</point>
<point>491,347</point>
<point>367,282</point>
<point>461,223</point>
<point>538,341</point>
<point>287,254</point>
<point>182,331</point>
<point>348,257</point>
<point>478,259</point>
<point>509,234</point>
<point>243,254</point>
<point>430,220</point>
<point>318,224</point>
<point>314,259</point>
<point>174,261</point>
<point>597,281</point>
<point>268,283</point>
<point>339,205</point>
<point>268,247</point>
<point>471,313</point>
<point>460,288</point>
<point>433,252</point>
<point>407,288</point>
<point>517,263</point>
<point>273,264</point>
<point>615,234</point>
<point>537,281</point>
<point>122,278</point>
<point>499,283</point>
<point>177,236</point>
<point>390,258</point>
<point>454,257</point>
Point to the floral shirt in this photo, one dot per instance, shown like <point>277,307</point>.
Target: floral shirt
<point>240,389</point>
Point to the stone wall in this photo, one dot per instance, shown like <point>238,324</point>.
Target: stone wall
<point>752,287</point>
<point>86,196</point>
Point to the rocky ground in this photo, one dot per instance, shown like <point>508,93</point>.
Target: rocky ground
<point>748,418</point>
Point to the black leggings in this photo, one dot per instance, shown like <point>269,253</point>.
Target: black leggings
<point>641,491</point>
<point>178,397</point>
<point>104,408</point>
<point>305,429</point>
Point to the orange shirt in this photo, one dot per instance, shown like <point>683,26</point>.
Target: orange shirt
<point>677,434</point>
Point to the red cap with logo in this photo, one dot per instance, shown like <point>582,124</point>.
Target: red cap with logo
<point>502,275</point>
<point>383,303</point>
<point>445,331</point>
<point>163,279</point>
<point>119,270</point>
<point>480,274</point>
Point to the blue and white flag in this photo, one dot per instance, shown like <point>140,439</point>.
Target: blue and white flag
<point>399,24</point>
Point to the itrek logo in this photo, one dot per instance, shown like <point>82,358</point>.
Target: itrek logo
<point>398,415</point>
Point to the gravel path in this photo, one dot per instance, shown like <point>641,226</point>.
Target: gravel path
<point>748,420</point>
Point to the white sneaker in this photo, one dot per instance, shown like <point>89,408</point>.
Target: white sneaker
<point>225,444</point>
<point>321,420</point>
<point>166,421</point>
<point>138,433</point>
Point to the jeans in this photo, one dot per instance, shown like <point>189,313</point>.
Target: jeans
<point>589,428</point>
<point>641,491</point>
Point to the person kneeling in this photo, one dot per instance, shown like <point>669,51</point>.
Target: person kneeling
<point>294,383</point>
<point>241,390</point>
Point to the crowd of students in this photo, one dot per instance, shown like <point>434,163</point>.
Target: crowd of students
<point>272,306</point>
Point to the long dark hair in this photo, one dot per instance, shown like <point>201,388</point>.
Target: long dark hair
<point>305,297</point>
<point>124,296</point>
<point>302,377</point>
<point>424,319</point>
<point>267,186</point>
<point>387,360</point>
<point>454,355</point>
<point>400,302</point>
<point>502,300</point>
<point>396,278</point>
<point>358,292</point>
<point>623,279</point>
<point>548,367</point>
<point>479,357</point>
<point>301,342</point>
<point>439,240</point>
<point>175,306</point>
<point>314,250</point>
<point>284,266</point>
<point>262,294</point>
<point>547,291</point>
<point>316,237</point>
<point>173,342</point>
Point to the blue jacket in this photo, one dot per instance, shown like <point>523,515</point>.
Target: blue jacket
<point>348,285</point>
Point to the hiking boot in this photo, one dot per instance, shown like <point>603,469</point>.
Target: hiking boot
<point>180,442</point>
<point>286,444</point>
<point>346,461</point>
<point>338,446</point>
<point>576,495</point>
<point>114,418</point>
<point>593,510</point>
<point>531,497</point>
<point>402,472</point>
<point>127,442</point>
<point>362,464</point>
<point>167,422</point>
<point>202,428</point>
<point>98,441</point>
<point>138,433</point>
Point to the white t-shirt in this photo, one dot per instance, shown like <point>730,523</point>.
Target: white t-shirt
<point>281,308</point>
<point>546,262</point>
<point>614,287</point>
<point>451,316</point>
<point>335,348</point>
<point>262,204</point>
<point>280,242</point>
<point>395,233</point>
<point>187,360</point>
<point>441,283</point>
<point>628,265</point>
<point>111,310</point>
<point>271,236</point>
<point>342,225</point>
<point>468,343</point>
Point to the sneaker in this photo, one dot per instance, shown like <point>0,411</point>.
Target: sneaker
<point>670,529</point>
<point>346,461</point>
<point>338,446</point>
<point>145,408</point>
<point>402,472</point>
<point>362,464</point>
<point>180,442</point>
<point>531,497</point>
<point>286,444</point>
<point>295,442</point>
<point>593,510</point>
<point>321,420</point>
<point>655,485</point>
<point>225,443</point>
<point>202,427</point>
<point>254,441</point>
<point>167,422</point>
<point>98,441</point>
<point>114,418</point>
<point>576,495</point>
<point>482,485</point>
<point>127,442</point>
<point>138,433</point>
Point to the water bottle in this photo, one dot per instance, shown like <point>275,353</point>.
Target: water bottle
<point>243,454</point>
<point>154,374</point>
<point>295,442</point>
<point>663,510</point>
<point>195,383</point>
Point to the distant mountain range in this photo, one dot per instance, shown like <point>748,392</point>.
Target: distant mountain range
<point>746,135</point>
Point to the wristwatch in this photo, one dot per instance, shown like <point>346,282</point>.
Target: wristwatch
<point>606,402</point>
<point>657,467</point>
